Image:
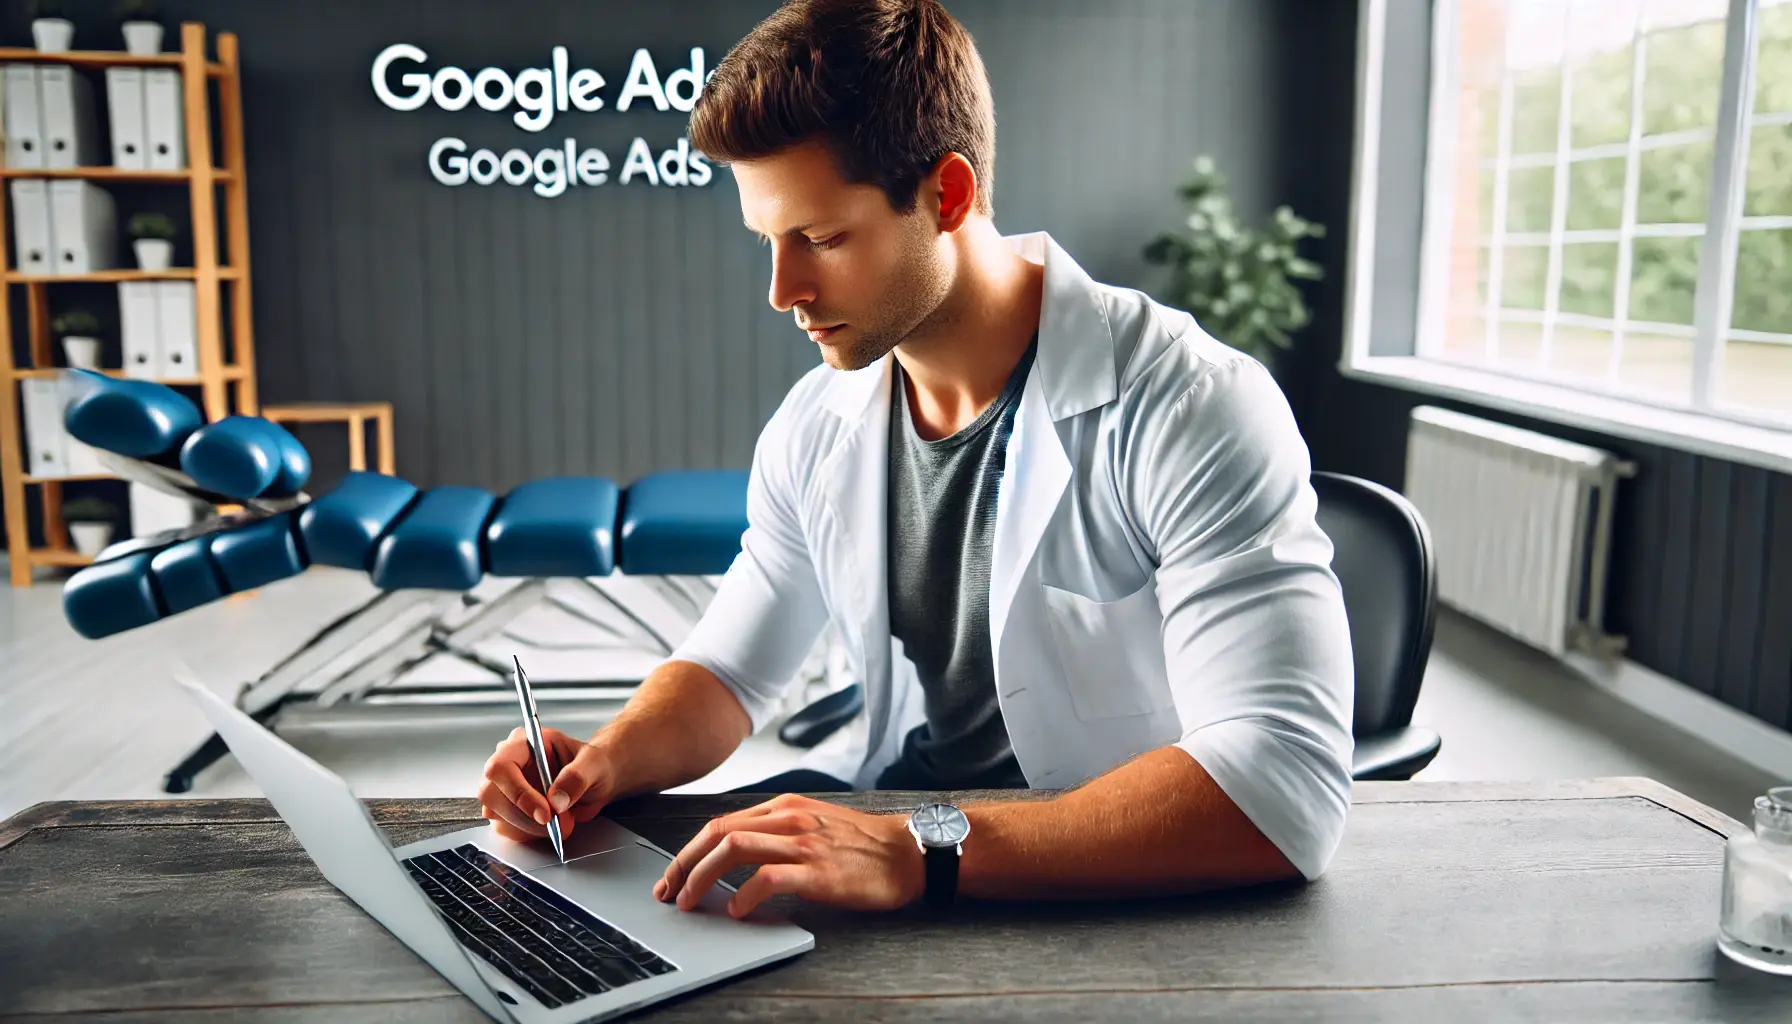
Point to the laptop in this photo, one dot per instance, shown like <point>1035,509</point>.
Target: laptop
<point>526,938</point>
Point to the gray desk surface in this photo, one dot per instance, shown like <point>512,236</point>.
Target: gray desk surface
<point>1578,900</point>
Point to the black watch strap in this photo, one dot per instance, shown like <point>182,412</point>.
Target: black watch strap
<point>942,876</point>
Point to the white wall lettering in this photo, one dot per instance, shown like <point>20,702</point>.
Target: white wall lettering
<point>552,170</point>
<point>403,80</point>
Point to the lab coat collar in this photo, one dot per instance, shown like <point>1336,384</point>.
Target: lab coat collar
<point>1075,360</point>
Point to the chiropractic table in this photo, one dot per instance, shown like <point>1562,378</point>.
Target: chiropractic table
<point>426,550</point>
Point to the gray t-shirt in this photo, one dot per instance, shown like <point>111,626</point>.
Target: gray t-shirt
<point>942,516</point>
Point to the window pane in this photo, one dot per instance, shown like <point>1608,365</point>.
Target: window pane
<point>1757,375</point>
<point>1595,194</point>
<point>1474,217</point>
<point>1484,104</point>
<point>1525,277</point>
<point>1469,268</point>
<point>1773,63</point>
<point>1581,354</point>
<point>1682,76</point>
<point>1769,188</point>
<point>1664,276</point>
<point>1536,107</point>
<point>1601,100</point>
<point>1581,69</point>
<point>1530,192</point>
<point>1465,339</point>
<point>1763,300</point>
<point>1672,183</point>
<point>1589,270</point>
<point>1520,346</point>
<point>1656,367</point>
<point>1481,38</point>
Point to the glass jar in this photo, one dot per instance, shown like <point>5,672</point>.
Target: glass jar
<point>1756,925</point>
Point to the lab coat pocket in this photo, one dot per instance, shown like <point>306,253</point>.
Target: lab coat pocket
<point>1112,652</point>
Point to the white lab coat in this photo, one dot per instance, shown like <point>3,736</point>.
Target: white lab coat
<point>1157,575</point>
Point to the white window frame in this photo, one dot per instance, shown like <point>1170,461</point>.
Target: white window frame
<point>1719,432</point>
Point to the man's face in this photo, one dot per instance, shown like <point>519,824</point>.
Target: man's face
<point>857,276</point>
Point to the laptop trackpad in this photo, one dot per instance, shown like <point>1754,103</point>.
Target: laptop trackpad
<point>599,835</point>
<point>622,878</point>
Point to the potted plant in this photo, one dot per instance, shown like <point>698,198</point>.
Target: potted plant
<point>49,29</point>
<point>142,33</point>
<point>79,329</point>
<point>153,235</point>
<point>90,523</point>
<point>1237,281</point>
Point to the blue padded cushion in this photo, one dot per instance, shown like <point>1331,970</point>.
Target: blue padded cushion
<point>558,526</point>
<point>435,546</point>
<point>185,576</point>
<point>138,418</point>
<point>683,523</point>
<point>239,455</point>
<point>258,554</point>
<point>295,466</point>
<point>343,527</point>
<point>111,597</point>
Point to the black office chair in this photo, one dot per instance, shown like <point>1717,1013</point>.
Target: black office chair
<point>1382,557</point>
<point>1383,561</point>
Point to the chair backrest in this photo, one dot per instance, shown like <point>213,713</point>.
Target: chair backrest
<point>1383,560</point>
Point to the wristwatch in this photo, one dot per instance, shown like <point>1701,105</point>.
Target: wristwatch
<point>940,831</point>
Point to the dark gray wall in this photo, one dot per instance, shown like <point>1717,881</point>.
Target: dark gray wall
<point>1702,577</point>
<point>623,329</point>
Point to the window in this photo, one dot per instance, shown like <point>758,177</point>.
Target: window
<point>1607,201</point>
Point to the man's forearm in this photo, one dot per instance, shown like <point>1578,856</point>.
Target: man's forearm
<point>1156,824</point>
<point>680,724</point>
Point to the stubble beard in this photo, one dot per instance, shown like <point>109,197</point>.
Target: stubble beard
<point>912,303</point>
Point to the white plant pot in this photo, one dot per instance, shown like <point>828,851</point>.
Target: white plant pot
<point>83,353</point>
<point>53,35</point>
<point>90,538</point>
<point>154,253</point>
<point>143,38</point>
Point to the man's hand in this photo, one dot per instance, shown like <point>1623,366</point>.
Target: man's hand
<point>512,794</point>
<point>815,850</point>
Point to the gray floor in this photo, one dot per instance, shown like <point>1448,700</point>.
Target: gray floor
<point>82,719</point>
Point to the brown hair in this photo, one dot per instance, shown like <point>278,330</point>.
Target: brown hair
<point>888,86</point>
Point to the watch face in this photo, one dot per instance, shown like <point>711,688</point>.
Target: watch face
<point>940,825</point>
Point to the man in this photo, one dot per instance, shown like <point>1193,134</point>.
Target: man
<point>1068,539</point>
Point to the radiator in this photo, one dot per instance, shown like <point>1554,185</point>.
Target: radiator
<point>1521,526</point>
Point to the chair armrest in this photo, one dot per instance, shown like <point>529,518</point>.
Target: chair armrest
<point>1396,754</point>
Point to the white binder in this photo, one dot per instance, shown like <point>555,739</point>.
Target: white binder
<point>70,124</point>
<point>34,245</point>
<point>163,127</point>
<point>124,106</point>
<point>84,222</point>
<point>45,438</point>
<point>154,511</point>
<point>178,333</point>
<point>24,132</point>
<point>83,460</point>
<point>138,326</point>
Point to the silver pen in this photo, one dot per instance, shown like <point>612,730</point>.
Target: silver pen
<point>532,727</point>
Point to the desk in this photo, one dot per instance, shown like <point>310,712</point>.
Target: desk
<point>1564,901</point>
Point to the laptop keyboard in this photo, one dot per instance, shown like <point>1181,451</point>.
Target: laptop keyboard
<point>549,946</point>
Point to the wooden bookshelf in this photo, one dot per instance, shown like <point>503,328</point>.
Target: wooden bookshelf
<point>122,274</point>
<point>230,373</point>
<point>118,174</point>
<point>59,556</point>
<point>224,388</point>
<point>94,60</point>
